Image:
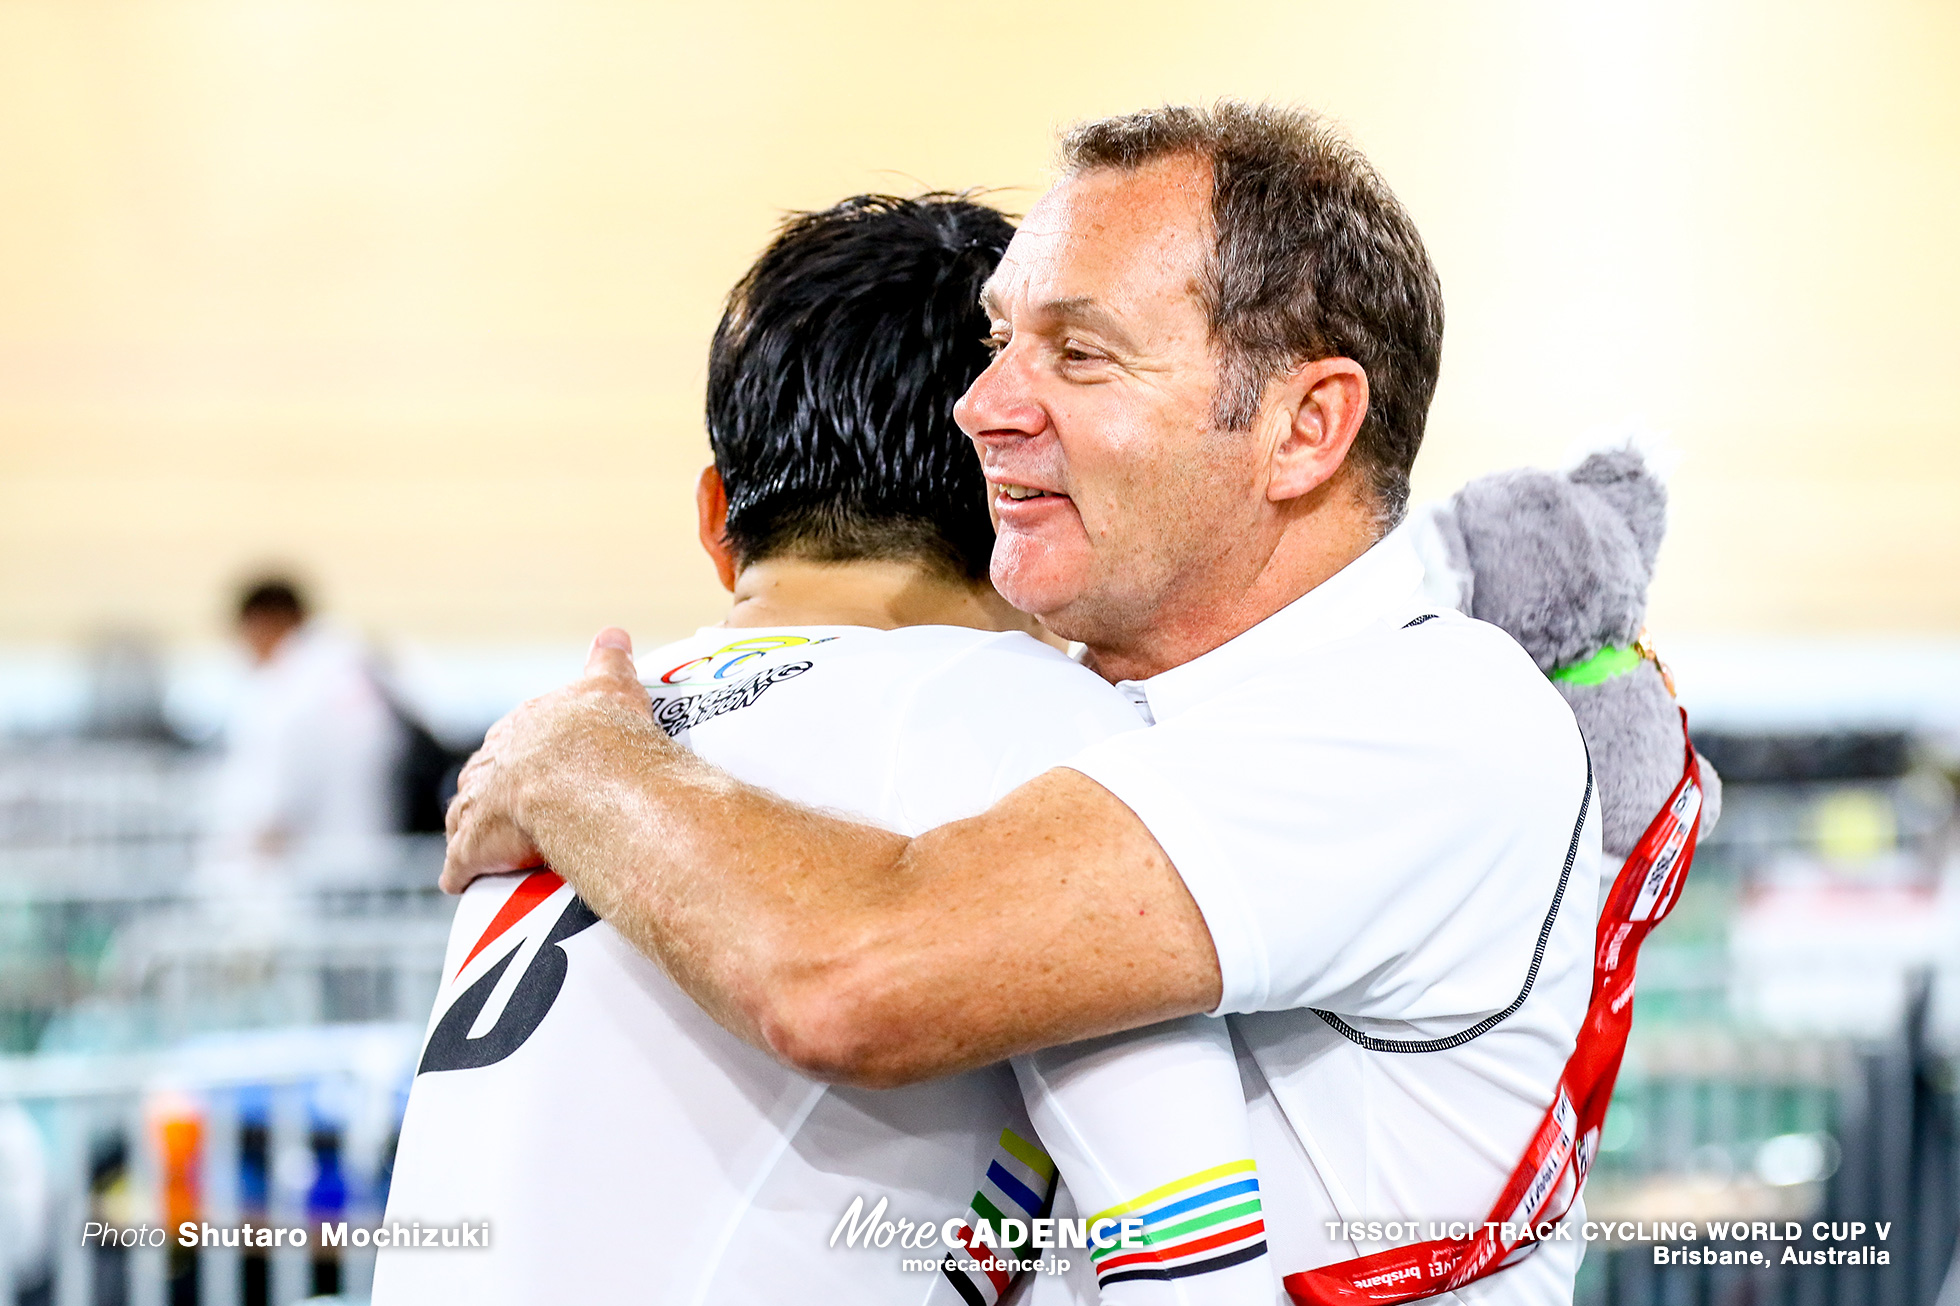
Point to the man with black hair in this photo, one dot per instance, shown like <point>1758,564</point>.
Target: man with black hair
<point>306,791</point>
<point>269,611</point>
<point>828,420</point>
<point>622,1145</point>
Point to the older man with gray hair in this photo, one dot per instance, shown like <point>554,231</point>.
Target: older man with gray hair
<point>1360,828</point>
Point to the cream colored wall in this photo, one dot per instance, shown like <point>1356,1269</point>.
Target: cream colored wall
<point>415,294</point>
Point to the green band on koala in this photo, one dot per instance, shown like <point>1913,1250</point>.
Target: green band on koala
<point>1613,660</point>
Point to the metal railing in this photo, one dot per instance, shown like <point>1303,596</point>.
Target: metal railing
<point>281,1129</point>
<point>1792,1137</point>
<point>178,1055</point>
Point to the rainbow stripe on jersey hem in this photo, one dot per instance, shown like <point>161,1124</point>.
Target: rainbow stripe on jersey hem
<point>1208,1221</point>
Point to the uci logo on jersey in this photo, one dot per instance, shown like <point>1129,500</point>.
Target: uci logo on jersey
<point>718,664</point>
<point>451,1046</point>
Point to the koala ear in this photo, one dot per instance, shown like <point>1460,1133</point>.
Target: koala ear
<point>1620,477</point>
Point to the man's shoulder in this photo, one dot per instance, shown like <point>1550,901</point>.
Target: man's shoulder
<point>1441,638</point>
<point>1429,670</point>
<point>1450,652</point>
<point>956,716</point>
<point>1002,658</point>
<point>916,683</point>
<point>1474,673</point>
<point>1436,702</point>
<point>715,657</point>
<point>989,715</point>
<point>1001,708</point>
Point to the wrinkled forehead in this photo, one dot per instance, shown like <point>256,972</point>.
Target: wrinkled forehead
<point>1134,241</point>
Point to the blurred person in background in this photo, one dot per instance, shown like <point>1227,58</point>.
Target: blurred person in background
<point>307,790</point>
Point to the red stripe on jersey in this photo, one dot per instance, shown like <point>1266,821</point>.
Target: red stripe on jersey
<point>536,887</point>
<point>1175,1250</point>
<point>989,1261</point>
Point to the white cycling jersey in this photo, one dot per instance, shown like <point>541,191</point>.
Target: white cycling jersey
<point>622,1147</point>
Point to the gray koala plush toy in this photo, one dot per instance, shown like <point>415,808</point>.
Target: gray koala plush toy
<point>1561,563</point>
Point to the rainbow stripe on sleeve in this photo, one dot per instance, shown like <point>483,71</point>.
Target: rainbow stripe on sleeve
<point>1019,1185</point>
<point>1207,1221</point>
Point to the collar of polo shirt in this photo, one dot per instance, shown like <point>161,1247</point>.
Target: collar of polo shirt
<point>1380,582</point>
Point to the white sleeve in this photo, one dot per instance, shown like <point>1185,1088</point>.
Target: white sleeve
<point>261,783</point>
<point>1390,851</point>
<point>1150,1126</point>
<point>991,718</point>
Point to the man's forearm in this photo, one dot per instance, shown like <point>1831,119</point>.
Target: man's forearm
<point>845,950</point>
<point>750,903</point>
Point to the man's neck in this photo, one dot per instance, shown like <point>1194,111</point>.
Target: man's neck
<point>883,595</point>
<point>1240,593</point>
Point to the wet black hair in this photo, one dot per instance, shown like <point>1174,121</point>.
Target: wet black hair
<point>832,379</point>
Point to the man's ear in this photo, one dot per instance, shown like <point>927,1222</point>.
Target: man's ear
<point>1323,404</point>
<point>711,509</point>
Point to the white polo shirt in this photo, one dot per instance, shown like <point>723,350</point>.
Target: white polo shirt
<point>1377,805</point>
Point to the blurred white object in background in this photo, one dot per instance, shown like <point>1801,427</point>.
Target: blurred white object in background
<point>306,789</point>
<point>1820,955</point>
<point>24,1200</point>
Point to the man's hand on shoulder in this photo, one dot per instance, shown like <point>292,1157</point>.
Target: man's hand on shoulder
<point>487,830</point>
<point>846,951</point>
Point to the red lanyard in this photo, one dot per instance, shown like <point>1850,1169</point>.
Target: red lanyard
<point>1547,1179</point>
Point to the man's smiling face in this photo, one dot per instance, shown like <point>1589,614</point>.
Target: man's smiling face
<point>1113,494</point>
